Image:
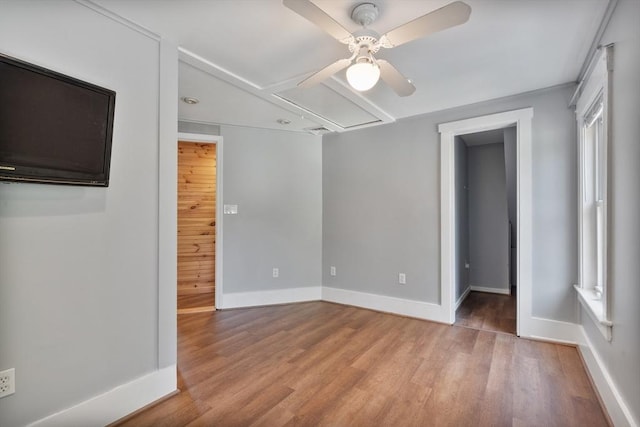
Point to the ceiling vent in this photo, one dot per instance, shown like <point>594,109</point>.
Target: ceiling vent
<point>318,130</point>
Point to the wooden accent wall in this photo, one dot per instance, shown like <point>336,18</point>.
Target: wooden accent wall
<point>196,217</point>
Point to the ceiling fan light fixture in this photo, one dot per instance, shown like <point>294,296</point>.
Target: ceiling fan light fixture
<point>363,44</point>
<point>363,75</point>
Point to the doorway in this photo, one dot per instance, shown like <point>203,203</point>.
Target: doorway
<point>485,194</point>
<point>522,121</point>
<point>196,226</point>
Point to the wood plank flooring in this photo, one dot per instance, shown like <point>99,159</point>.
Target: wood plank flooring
<point>489,312</point>
<point>323,364</point>
<point>193,302</point>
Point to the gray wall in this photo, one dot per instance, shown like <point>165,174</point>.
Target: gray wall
<point>379,215</point>
<point>200,128</point>
<point>511,168</point>
<point>79,266</point>
<point>381,203</point>
<point>275,179</point>
<point>622,354</point>
<point>462,217</point>
<point>488,217</point>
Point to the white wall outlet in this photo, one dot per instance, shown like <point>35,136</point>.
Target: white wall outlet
<point>402,278</point>
<point>7,382</point>
<point>332,270</point>
<point>230,209</point>
<point>276,272</point>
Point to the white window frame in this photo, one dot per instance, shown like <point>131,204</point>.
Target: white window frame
<point>593,288</point>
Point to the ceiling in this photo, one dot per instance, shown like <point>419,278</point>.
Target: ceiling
<point>243,58</point>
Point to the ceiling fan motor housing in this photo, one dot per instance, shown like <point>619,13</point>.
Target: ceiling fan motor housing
<point>365,14</point>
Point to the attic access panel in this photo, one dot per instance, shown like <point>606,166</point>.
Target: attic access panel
<point>323,101</point>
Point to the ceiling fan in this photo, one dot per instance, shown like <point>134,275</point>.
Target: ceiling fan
<point>364,69</point>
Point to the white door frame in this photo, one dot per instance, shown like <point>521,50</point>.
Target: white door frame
<point>217,140</point>
<point>448,131</point>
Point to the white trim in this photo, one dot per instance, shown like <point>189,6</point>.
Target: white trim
<point>611,397</point>
<point>197,137</point>
<point>597,83</point>
<point>554,331</point>
<point>522,119</point>
<point>218,141</point>
<point>492,290</point>
<point>116,403</point>
<point>167,202</point>
<point>386,304</point>
<point>272,297</point>
<point>119,19</point>
<point>447,224</point>
<point>594,308</point>
<point>464,296</point>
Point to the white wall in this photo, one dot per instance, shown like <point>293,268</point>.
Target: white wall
<point>79,266</point>
<point>622,355</point>
<point>275,179</point>
<point>488,218</point>
<point>199,128</point>
<point>381,204</point>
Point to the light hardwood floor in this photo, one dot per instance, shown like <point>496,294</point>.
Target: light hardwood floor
<point>196,302</point>
<point>489,312</point>
<point>322,364</point>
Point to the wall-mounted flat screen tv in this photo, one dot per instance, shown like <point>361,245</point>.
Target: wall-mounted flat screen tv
<point>53,128</point>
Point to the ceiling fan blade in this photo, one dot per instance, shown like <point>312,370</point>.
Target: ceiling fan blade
<point>448,16</point>
<point>325,73</point>
<point>313,13</point>
<point>399,83</point>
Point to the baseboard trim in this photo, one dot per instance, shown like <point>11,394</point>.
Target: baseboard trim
<point>386,304</point>
<point>464,296</point>
<point>611,398</point>
<point>278,296</point>
<point>551,330</point>
<point>490,290</point>
<point>116,403</point>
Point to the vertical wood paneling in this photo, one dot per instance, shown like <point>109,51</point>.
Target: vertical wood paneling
<point>196,218</point>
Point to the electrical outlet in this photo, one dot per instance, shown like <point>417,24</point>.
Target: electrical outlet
<point>402,278</point>
<point>276,272</point>
<point>333,270</point>
<point>7,382</point>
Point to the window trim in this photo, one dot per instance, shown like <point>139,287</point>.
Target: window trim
<point>596,89</point>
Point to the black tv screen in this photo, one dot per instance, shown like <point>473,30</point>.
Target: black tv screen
<point>53,128</point>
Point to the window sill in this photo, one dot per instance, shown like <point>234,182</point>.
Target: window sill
<point>593,306</point>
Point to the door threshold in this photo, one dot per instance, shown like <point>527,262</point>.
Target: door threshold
<point>196,310</point>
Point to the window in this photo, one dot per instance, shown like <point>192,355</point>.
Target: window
<point>592,117</point>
